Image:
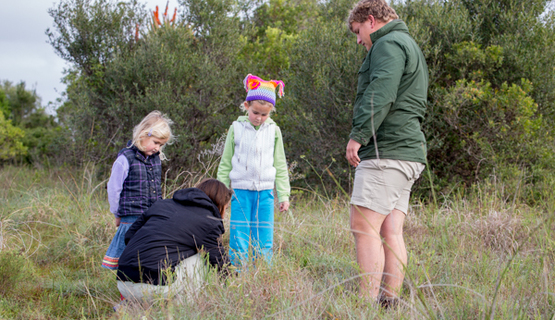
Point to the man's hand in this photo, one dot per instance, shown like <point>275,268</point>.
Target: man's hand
<point>118,221</point>
<point>284,206</point>
<point>352,152</point>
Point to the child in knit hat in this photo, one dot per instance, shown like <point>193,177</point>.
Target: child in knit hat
<point>252,161</point>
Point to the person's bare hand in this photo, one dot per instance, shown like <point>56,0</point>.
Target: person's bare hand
<point>118,221</point>
<point>284,206</point>
<point>352,152</point>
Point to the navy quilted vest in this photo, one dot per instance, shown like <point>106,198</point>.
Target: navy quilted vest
<point>143,185</point>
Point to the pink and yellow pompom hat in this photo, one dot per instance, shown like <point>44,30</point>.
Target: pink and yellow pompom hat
<point>260,89</point>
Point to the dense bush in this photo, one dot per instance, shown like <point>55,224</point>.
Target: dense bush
<point>188,70</point>
<point>491,91</point>
<point>491,97</point>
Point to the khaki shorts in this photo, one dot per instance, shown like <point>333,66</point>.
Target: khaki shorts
<point>383,185</point>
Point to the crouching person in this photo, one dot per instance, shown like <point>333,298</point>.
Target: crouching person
<point>166,240</point>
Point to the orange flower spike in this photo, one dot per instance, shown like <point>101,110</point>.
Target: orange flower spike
<point>174,15</point>
<point>137,32</point>
<point>166,12</point>
<point>156,18</point>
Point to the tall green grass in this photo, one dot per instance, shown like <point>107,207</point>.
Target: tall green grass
<point>477,253</point>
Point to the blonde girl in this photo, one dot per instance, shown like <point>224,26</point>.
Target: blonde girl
<point>136,179</point>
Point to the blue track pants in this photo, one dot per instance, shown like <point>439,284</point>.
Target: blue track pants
<point>252,225</point>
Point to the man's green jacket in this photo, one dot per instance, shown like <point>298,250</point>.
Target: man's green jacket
<point>391,97</point>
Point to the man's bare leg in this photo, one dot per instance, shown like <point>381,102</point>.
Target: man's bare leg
<point>366,225</point>
<point>395,253</point>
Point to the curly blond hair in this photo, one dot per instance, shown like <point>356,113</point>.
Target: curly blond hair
<point>377,8</point>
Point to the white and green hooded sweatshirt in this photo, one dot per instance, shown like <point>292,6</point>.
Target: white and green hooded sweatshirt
<point>254,158</point>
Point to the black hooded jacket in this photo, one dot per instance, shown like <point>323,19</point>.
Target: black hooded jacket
<point>169,232</point>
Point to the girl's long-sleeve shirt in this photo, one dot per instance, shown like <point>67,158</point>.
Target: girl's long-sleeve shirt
<point>280,163</point>
<point>120,170</point>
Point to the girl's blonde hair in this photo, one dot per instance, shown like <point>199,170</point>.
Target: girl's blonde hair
<point>262,102</point>
<point>157,125</point>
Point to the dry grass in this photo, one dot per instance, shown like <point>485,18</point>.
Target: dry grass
<point>466,254</point>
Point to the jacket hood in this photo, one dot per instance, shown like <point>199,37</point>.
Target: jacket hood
<point>246,119</point>
<point>196,197</point>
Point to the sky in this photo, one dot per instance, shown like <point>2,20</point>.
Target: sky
<point>25,54</point>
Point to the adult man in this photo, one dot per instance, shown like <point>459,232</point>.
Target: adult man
<point>386,145</point>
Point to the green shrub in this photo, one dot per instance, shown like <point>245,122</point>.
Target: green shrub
<point>491,91</point>
<point>188,70</point>
<point>11,139</point>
